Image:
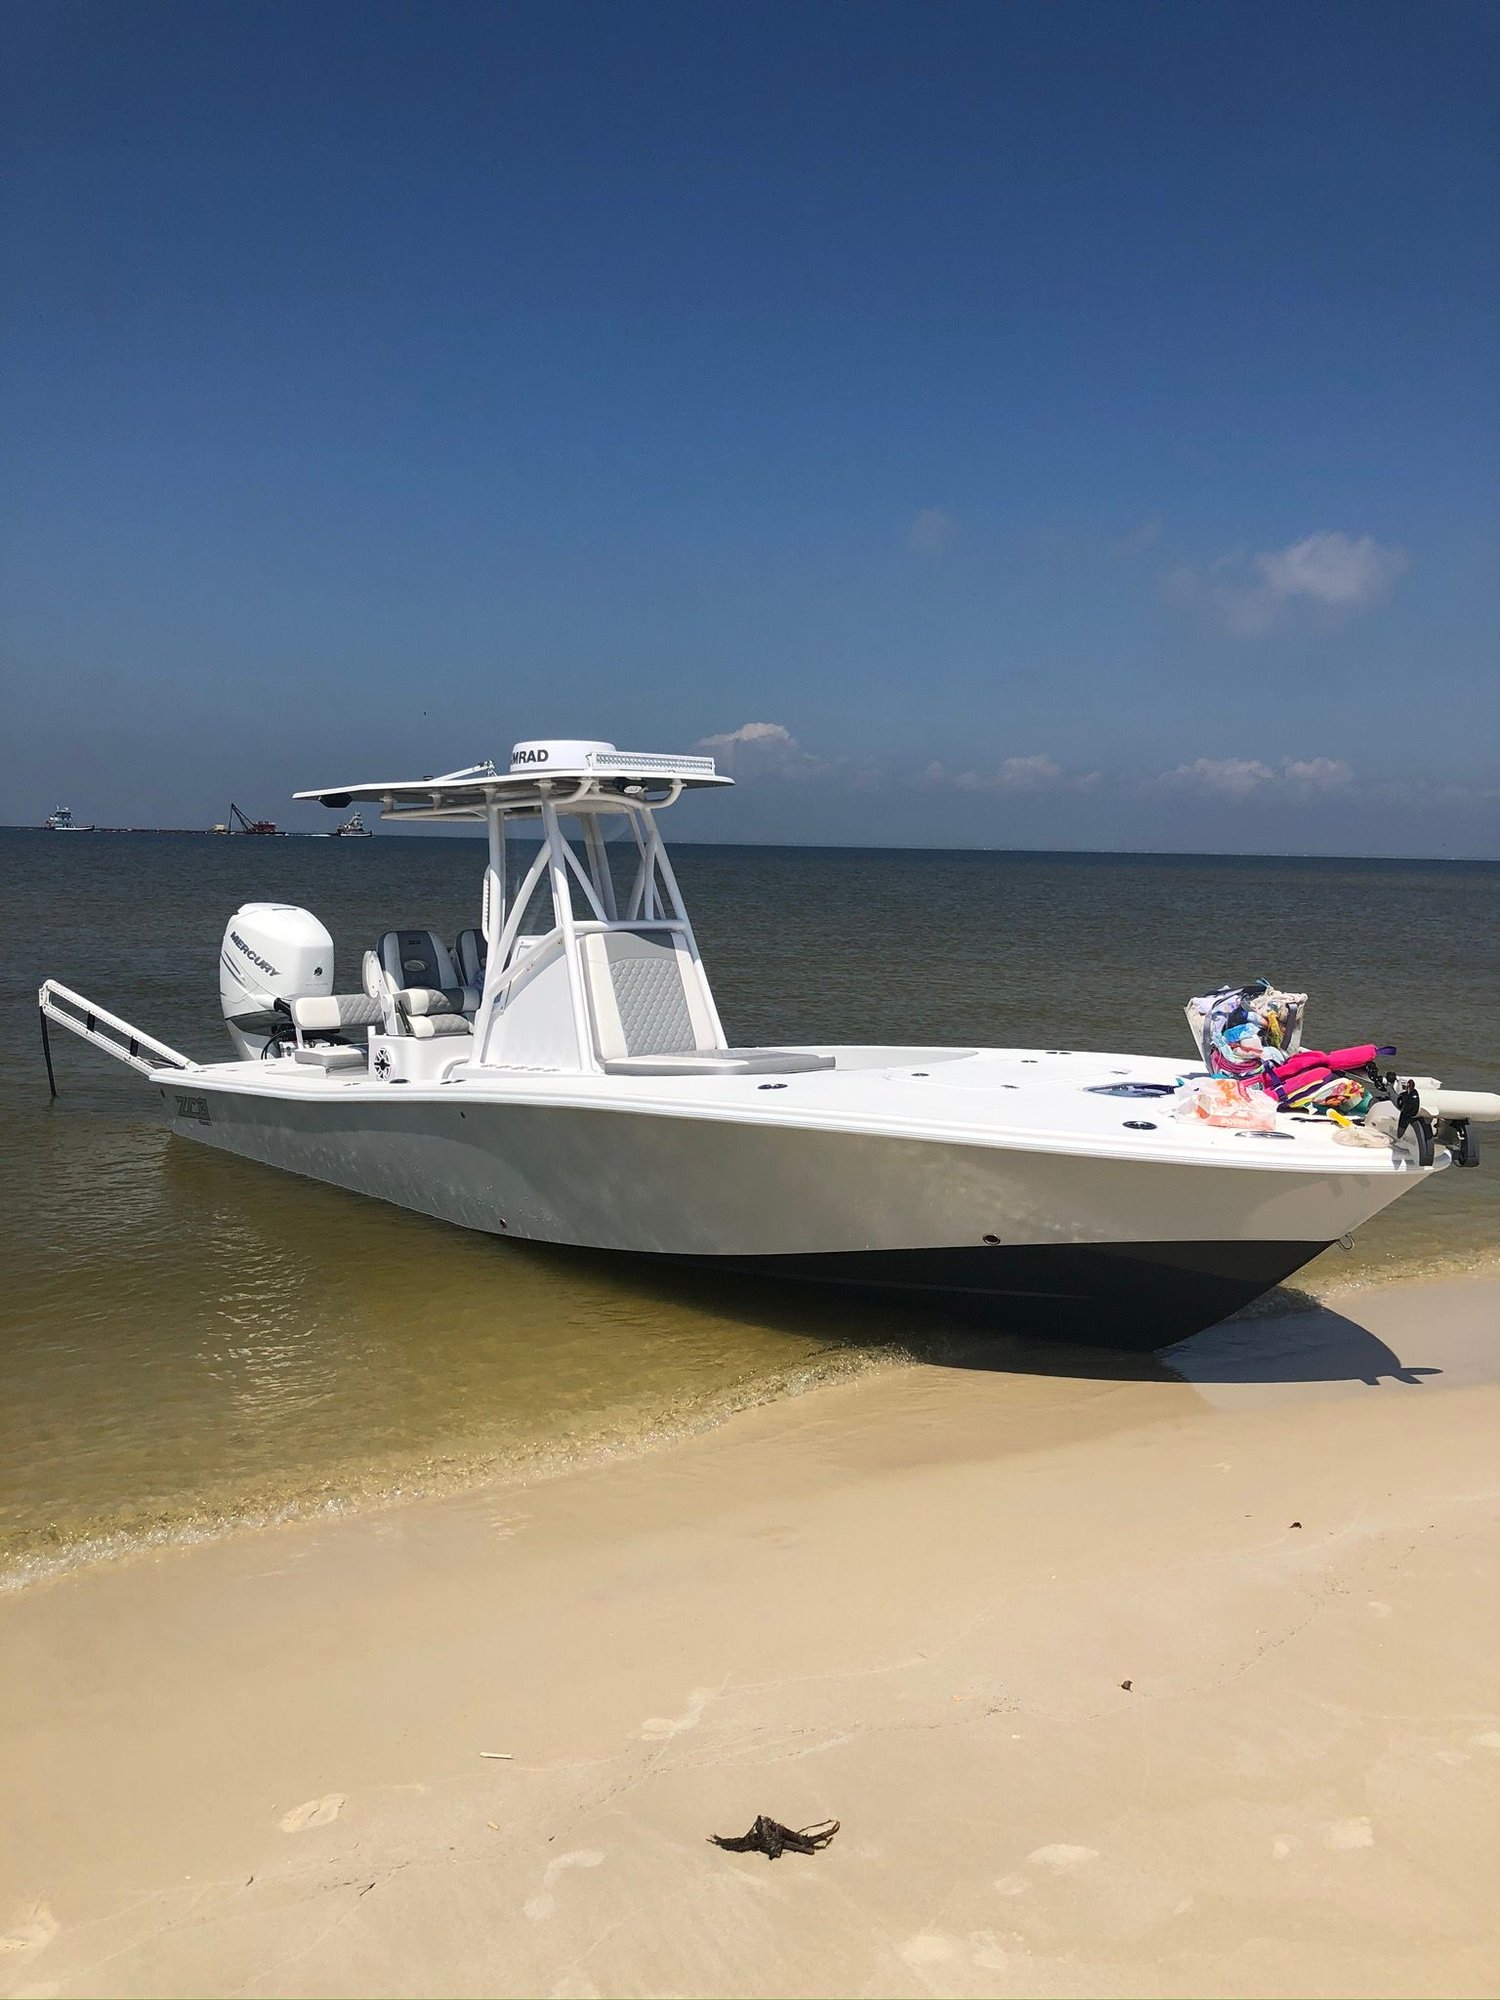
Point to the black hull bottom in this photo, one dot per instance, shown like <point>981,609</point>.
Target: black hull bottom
<point>1137,1295</point>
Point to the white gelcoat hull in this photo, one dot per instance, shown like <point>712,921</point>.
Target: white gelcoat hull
<point>699,1187</point>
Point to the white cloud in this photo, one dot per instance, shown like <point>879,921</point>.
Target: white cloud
<point>1317,774</point>
<point>931,532</point>
<point>1340,574</point>
<point>1027,774</point>
<point>747,733</point>
<point>769,751</point>
<point>1332,569</point>
<point>1228,777</point>
<point>1036,773</point>
<point>1239,778</point>
<point>761,749</point>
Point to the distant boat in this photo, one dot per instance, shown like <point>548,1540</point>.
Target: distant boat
<point>240,822</point>
<point>62,821</point>
<point>353,828</point>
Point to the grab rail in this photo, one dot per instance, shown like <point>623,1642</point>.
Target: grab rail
<point>105,1030</point>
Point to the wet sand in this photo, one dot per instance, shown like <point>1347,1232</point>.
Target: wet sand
<point>1120,1680</point>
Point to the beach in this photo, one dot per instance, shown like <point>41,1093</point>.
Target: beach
<point>1120,1676</point>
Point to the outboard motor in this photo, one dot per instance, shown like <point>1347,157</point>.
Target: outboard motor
<point>271,952</point>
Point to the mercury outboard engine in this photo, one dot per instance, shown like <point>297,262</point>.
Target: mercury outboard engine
<point>271,952</point>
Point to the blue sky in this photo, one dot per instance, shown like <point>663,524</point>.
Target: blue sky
<point>1063,424</point>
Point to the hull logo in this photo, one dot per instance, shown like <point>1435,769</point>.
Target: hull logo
<point>193,1107</point>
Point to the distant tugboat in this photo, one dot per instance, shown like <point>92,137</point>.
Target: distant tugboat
<point>62,821</point>
<point>353,828</point>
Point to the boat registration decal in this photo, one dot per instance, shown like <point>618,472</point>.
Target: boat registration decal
<point>193,1107</point>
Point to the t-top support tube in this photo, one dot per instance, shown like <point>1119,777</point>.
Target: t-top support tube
<point>492,920</point>
<point>604,883</point>
<point>562,914</point>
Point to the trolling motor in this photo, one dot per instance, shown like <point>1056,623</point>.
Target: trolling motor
<point>1458,1135</point>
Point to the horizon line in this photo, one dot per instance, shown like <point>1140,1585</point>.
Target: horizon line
<point>453,831</point>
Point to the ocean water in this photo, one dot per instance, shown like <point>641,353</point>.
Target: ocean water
<point>189,1341</point>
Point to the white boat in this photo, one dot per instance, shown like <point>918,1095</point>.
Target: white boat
<point>559,1074</point>
<point>61,820</point>
<point>353,828</point>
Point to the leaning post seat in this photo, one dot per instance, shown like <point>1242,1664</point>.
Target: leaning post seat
<point>651,1016</point>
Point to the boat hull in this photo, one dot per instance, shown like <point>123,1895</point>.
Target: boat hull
<point>1028,1240</point>
<point>1134,1295</point>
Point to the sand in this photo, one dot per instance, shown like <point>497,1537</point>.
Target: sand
<point>1118,1682</point>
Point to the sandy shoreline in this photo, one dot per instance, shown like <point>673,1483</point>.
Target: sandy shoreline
<point>908,1603</point>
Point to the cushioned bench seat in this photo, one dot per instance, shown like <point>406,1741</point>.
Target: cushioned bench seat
<point>345,1015</point>
<point>334,1013</point>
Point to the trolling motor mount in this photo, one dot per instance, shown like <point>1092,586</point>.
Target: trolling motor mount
<point>1413,1119</point>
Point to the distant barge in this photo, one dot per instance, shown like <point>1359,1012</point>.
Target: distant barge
<point>61,820</point>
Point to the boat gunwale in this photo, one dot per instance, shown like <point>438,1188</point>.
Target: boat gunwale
<point>692,1098</point>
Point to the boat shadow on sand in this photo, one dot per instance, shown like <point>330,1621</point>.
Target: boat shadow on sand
<point>1287,1337</point>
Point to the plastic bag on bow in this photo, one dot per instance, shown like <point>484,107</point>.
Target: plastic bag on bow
<point>1226,1101</point>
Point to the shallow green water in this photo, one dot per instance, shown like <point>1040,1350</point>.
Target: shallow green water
<point>189,1340</point>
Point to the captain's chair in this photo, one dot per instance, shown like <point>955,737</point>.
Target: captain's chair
<point>413,975</point>
<point>470,951</point>
<point>416,958</point>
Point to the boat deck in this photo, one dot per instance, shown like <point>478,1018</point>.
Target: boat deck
<point>1038,1100</point>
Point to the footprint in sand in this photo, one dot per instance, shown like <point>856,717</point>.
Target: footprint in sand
<point>1060,1857</point>
<point>1487,1739</point>
<point>316,1812</point>
<point>36,1929</point>
<point>541,1906</point>
<point>926,1948</point>
<point>1343,1835</point>
<point>660,1728</point>
<point>987,1952</point>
